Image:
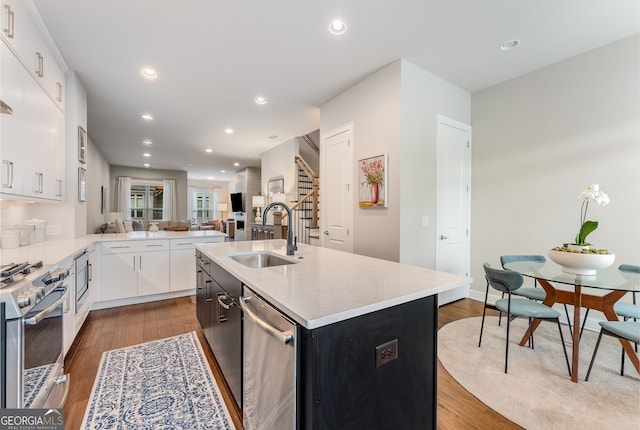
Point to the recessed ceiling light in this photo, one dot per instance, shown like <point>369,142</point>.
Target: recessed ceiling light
<point>149,73</point>
<point>146,154</point>
<point>147,116</point>
<point>337,27</point>
<point>509,45</point>
<point>223,171</point>
<point>147,142</point>
<point>260,100</point>
<point>147,165</point>
<point>228,131</point>
<point>208,150</point>
<point>210,178</point>
<point>236,164</point>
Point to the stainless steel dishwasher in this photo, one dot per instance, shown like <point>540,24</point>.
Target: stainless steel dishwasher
<point>269,351</point>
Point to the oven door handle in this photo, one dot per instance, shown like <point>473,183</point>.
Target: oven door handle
<point>42,315</point>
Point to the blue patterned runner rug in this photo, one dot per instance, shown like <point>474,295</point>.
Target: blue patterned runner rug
<point>164,384</point>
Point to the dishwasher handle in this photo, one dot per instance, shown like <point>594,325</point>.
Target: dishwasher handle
<point>284,336</point>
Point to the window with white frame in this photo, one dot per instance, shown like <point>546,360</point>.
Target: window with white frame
<point>203,205</point>
<point>146,200</point>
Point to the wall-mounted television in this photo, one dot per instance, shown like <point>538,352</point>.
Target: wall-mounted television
<point>237,204</point>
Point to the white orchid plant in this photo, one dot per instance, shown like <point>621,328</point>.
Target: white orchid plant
<point>591,194</point>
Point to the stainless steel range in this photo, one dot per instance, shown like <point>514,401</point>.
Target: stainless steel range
<point>33,299</point>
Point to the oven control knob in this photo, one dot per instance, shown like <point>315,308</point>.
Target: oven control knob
<point>40,291</point>
<point>33,295</point>
<point>23,300</point>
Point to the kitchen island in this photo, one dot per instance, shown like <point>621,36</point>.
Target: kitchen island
<point>365,334</point>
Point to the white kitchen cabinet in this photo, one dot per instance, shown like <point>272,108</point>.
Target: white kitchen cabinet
<point>32,135</point>
<point>18,28</point>
<point>13,122</point>
<point>183,261</point>
<point>55,166</point>
<point>134,268</point>
<point>20,31</point>
<point>119,279</point>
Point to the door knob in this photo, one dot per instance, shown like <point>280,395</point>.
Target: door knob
<point>326,232</point>
<point>443,237</point>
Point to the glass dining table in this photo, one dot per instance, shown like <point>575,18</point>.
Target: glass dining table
<point>616,283</point>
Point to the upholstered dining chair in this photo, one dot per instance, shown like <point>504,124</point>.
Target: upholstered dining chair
<point>629,330</point>
<point>508,282</point>
<point>624,309</point>
<point>534,293</point>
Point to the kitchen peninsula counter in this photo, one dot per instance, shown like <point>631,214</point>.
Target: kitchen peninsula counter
<point>325,286</point>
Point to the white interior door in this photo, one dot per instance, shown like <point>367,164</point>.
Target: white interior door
<point>337,189</point>
<point>453,201</point>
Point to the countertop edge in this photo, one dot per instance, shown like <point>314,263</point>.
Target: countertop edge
<point>54,251</point>
<point>246,276</point>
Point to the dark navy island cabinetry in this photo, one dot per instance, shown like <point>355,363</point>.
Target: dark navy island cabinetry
<point>375,370</point>
<point>343,387</point>
<point>220,316</point>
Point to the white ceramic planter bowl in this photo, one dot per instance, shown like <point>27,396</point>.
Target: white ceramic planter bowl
<point>581,264</point>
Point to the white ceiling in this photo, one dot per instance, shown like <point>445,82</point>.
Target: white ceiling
<point>214,57</point>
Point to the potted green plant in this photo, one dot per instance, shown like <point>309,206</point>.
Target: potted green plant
<point>580,257</point>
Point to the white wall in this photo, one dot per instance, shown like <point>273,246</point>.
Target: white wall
<point>424,96</point>
<point>98,177</point>
<point>279,163</point>
<point>540,139</point>
<point>394,112</point>
<point>374,106</point>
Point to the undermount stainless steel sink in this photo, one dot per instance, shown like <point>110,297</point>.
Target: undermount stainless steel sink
<point>261,259</point>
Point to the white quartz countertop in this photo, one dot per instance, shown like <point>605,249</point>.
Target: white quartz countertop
<point>55,250</point>
<point>327,286</point>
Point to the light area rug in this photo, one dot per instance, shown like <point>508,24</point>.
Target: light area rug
<point>164,384</point>
<point>537,393</point>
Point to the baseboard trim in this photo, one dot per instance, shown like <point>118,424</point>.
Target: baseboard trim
<point>141,299</point>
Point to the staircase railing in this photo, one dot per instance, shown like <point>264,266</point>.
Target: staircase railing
<point>305,210</point>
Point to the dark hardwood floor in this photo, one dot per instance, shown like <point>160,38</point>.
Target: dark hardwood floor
<point>129,325</point>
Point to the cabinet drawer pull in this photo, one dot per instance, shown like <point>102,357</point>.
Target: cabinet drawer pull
<point>222,316</point>
<point>151,246</point>
<point>59,86</point>
<point>8,30</point>
<point>9,181</point>
<point>184,244</point>
<point>39,65</point>
<point>118,247</point>
<point>38,183</point>
<point>227,306</point>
